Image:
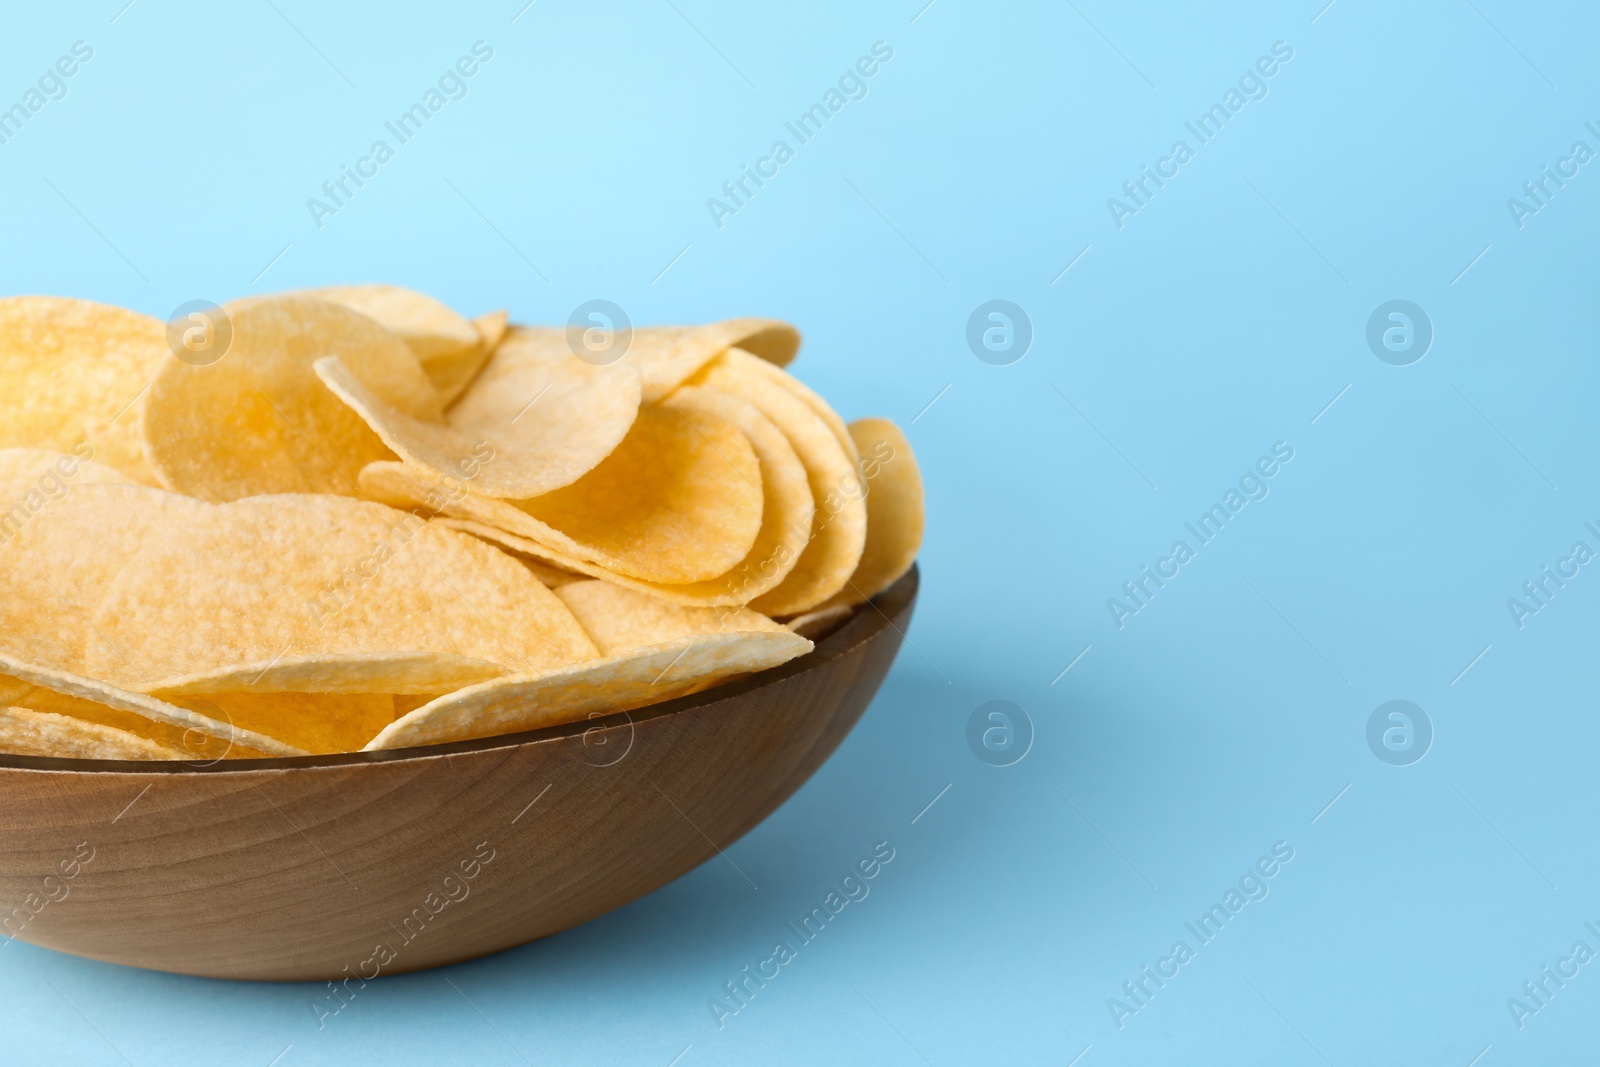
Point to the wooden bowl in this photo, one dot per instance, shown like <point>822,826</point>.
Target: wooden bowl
<point>359,864</point>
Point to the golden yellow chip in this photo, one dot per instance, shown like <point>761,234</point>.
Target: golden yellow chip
<point>674,502</point>
<point>42,733</point>
<point>839,528</point>
<point>259,420</point>
<point>426,674</point>
<point>554,577</point>
<point>428,327</point>
<point>316,722</point>
<point>302,577</point>
<point>787,508</point>
<point>824,410</point>
<point>894,510</point>
<point>211,738</point>
<point>70,372</point>
<point>724,590</point>
<point>820,622</point>
<point>532,421</point>
<point>491,328</point>
<point>666,356</point>
<point>57,563</point>
<point>616,683</point>
<point>97,701</point>
<point>451,376</point>
<point>620,620</point>
<point>32,478</point>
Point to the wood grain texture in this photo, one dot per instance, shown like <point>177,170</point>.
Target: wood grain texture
<point>328,867</point>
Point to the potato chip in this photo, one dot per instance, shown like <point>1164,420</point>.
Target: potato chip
<point>674,502</point>
<point>58,562</point>
<point>70,371</point>
<point>427,674</point>
<point>824,410</point>
<point>787,508</point>
<point>491,329</point>
<point>32,477</point>
<point>97,701</point>
<point>839,529</point>
<point>820,622</point>
<point>316,722</point>
<point>722,591</point>
<point>666,356</point>
<point>452,376</point>
<point>571,694</point>
<point>894,510</point>
<point>531,423</point>
<point>212,742</point>
<point>304,576</point>
<point>552,576</point>
<point>428,327</point>
<point>259,420</point>
<point>621,620</point>
<point>41,733</point>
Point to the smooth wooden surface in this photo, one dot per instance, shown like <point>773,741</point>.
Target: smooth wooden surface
<point>333,867</point>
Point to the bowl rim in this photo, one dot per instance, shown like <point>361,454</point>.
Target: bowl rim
<point>862,625</point>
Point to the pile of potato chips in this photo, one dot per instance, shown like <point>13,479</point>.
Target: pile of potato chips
<point>353,519</point>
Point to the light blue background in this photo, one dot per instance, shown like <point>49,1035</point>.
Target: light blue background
<point>1224,317</point>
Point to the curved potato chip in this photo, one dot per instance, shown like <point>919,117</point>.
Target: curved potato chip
<point>450,348</point>
<point>43,733</point>
<point>824,410</point>
<point>664,506</point>
<point>716,592</point>
<point>428,674</point>
<point>452,375</point>
<point>666,356</point>
<point>32,477</point>
<point>260,421</point>
<point>621,620</point>
<point>787,508</point>
<point>894,510</point>
<point>70,371</point>
<point>531,423</point>
<point>316,722</point>
<point>429,328</point>
<point>617,683</point>
<point>839,529</point>
<point>318,576</point>
<point>57,563</point>
<point>491,328</point>
<point>820,622</point>
<point>216,741</point>
<point>98,701</point>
